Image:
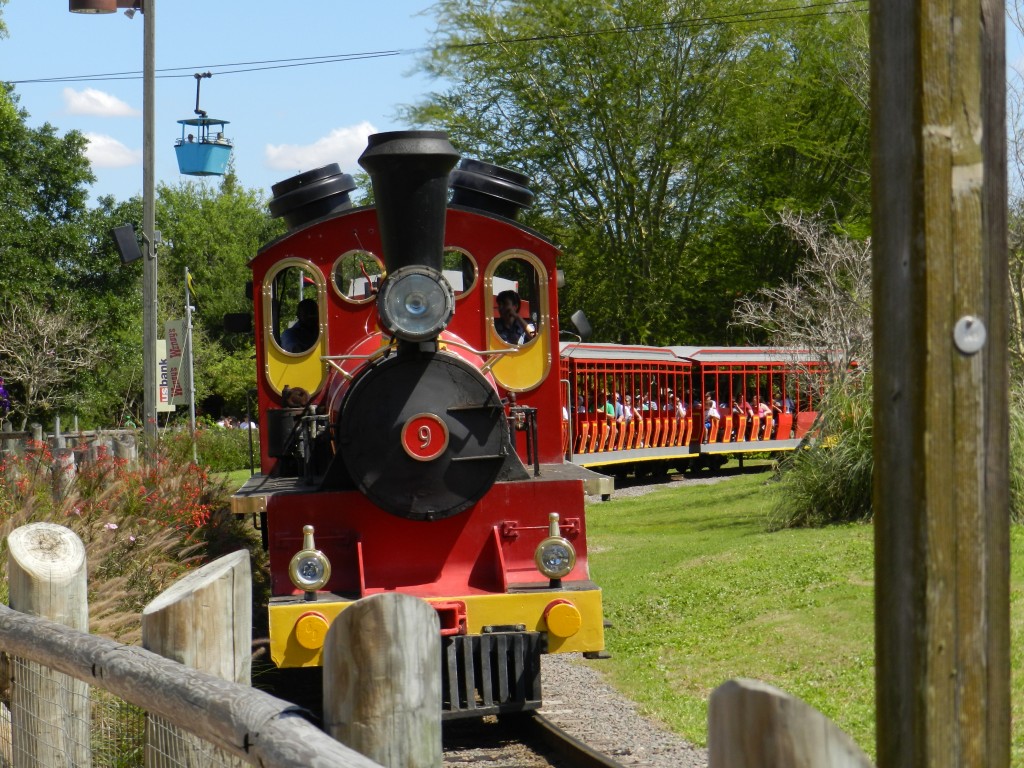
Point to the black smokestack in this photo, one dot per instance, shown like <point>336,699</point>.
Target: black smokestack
<point>409,170</point>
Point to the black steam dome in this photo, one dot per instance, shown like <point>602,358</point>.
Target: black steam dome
<point>311,195</point>
<point>490,188</point>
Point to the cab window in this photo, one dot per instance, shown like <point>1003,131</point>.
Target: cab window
<point>515,290</point>
<point>459,270</point>
<point>357,275</point>
<point>295,309</point>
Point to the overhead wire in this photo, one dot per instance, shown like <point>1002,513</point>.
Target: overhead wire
<point>797,11</point>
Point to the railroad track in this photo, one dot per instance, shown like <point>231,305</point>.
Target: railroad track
<point>526,741</point>
<point>571,749</point>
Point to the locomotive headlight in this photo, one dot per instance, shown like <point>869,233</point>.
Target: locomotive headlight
<point>555,556</point>
<point>309,569</point>
<point>416,303</point>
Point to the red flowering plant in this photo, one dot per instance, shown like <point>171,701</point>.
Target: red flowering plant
<point>143,526</point>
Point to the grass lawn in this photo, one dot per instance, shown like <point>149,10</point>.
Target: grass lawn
<point>234,479</point>
<point>698,592</point>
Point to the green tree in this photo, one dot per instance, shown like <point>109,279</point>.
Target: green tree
<point>43,180</point>
<point>110,293</point>
<point>801,144</point>
<point>214,231</point>
<point>45,247</point>
<point>641,125</point>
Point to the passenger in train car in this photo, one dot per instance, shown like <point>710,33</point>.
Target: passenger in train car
<point>711,416</point>
<point>737,410</point>
<point>303,333</point>
<point>511,327</point>
<point>762,411</point>
<point>776,412</point>
<point>628,413</point>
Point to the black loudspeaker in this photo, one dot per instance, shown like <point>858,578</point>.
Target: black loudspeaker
<point>238,322</point>
<point>127,245</point>
<point>579,319</point>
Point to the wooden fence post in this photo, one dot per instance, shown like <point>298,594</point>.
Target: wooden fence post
<point>100,448</point>
<point>46,572</point>
<point>941,335</point>
<point>125,448</point>
<point>754,725</point>
<point>10,446</point>
<point>382,680</point>
<point>37,432</point>
<point>204,621</point>
<point>58,436</point>
<point>62,471</point>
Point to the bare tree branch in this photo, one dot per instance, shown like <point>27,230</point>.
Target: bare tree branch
<point>827,306</point>
<point>41,350</point>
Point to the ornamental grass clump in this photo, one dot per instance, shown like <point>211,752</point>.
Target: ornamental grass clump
<point>142,526</point>
<point>830,479</point>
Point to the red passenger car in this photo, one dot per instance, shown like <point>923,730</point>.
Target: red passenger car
<point>635,408</point>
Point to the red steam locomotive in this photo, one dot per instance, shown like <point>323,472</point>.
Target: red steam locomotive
<point>404,444</point>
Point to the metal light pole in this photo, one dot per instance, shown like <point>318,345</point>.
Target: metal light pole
<point>149,272</point>
<point>149,234</point>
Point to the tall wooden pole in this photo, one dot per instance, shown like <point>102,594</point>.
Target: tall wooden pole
<point>941,381</point>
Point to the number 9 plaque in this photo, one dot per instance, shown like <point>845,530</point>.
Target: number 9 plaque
<point>424,437</point>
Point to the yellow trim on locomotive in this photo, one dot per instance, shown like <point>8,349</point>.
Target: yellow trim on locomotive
<point>290,641</point>
<point>525,369</point>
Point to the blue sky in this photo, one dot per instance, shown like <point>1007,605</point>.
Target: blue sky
<point>282,120</point>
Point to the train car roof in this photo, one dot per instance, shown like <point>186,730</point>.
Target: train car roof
<point>584,351</point>
<point>629,352</point>
<point>745,354</point>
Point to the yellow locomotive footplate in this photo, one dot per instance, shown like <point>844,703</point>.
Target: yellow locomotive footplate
<point>571,618</point>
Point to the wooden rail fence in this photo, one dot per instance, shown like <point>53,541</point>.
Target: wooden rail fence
<point>53,661</point>
<point>189,684</point>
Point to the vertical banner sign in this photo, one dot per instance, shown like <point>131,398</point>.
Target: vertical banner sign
<point>163,389</point>
<point>174,330</point>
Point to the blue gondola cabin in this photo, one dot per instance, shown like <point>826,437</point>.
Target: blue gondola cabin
<point>202,149</point>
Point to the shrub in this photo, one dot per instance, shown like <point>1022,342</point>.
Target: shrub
<point>830,481</point>
<point>142,527</point>
<point>1017,455</point>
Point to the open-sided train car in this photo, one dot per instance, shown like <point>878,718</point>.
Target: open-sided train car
<point>404,446</point>
<point>636,408</point>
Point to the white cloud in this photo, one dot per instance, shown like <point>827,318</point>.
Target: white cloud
<point>107,152</point>
<point>342,146</point>
<point>97,103</point>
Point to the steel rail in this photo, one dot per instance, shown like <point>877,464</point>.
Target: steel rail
<point>568,747</point>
